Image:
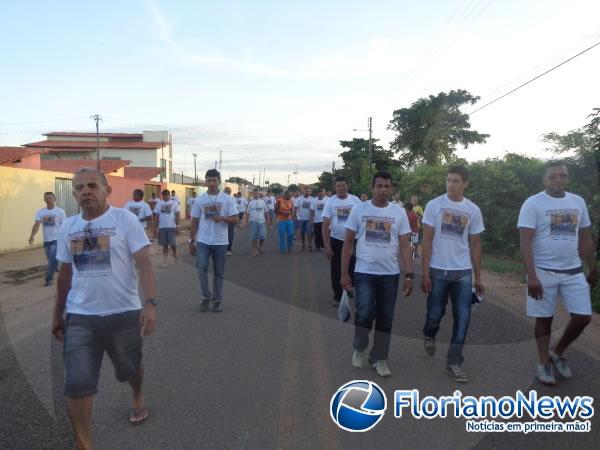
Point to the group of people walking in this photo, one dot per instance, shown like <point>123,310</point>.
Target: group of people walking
<point>105,268</point>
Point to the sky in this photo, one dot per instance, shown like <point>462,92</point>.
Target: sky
<point>276,85</point>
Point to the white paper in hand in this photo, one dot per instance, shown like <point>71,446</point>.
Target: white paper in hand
<point>344,308</point>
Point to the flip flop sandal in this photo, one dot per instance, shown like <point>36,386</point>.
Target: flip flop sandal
<point>139,416</point>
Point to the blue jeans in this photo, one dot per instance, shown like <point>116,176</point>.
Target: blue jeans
<point>50,250</point>
<point>286,235</point>
<point>203,254</point>
<point>375,297</point>
<point>458,286</point>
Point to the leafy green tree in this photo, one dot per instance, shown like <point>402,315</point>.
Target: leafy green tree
<point>239,180</point>
<point>293,188</point>
<point>276,188</point>
<point>432,128</point>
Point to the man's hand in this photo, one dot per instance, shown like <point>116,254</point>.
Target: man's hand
<point>592,277</point>
<point>479,289</point>
<point>328,253</point>
<point>31,241</point>
<point>534,288</point>
<point>192,248</point>
<point>148,319</point>
<point>407,287</point>
<point>426,285</point>
<point>176,231</point>
<point>346,282</point>
<point>58,328</point>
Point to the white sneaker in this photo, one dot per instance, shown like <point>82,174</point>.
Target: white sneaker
<point>457,372</point>
<point>382,368</point>
<point>545,374</point>
<point>228,253</point>
<point>561,365</point>
<point>360,359</point>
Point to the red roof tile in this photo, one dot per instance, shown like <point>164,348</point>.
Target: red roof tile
<point>88,146</point>
<point>108,135</point>
<point>12,154</point>
<point>73,165</point>
<point>142,173</point>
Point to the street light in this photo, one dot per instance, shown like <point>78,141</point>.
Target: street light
<point>195,155</point>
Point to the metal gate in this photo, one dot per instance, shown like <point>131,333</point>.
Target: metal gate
<point>63,188</point>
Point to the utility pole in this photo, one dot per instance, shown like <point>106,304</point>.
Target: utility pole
<point>253,178</point>
<point>163,165</point>
<point>259,176</point>
<point>288,179</point>
<point>370,141</point>
<point>96,118</point>
<point>332,167</point>
<point>195,155</point>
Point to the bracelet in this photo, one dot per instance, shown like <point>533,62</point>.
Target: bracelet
<point>151,301</point>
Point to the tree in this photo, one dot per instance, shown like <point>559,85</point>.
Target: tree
<point>293,188</point>
<point>240,181</point>
<point>276,188</point>
<point>431,129</point>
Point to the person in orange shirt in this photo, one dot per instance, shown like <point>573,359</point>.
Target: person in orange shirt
<point>284,209</point>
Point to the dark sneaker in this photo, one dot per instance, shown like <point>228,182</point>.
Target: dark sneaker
<point>429,343</point>
<point>335,303</point>
<point>561,365</point>
<point>457,372</point>
<point>205,305</point>
<point>217,307</point>
<point>48,283</point>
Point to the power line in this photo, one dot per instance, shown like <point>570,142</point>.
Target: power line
<point>535,78</point>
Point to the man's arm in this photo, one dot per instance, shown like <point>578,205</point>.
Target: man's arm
<point>586,251</point>
<point>193,231</point>
<point>34,230</point>
<point>347,249</point>
<point>148,285</point>
<point>534,287</point>
<point>326,232</point>
<point>475,250</point>
<point>177,221</point>
<point>428,234</point>
<point>407,265</point>
<point>63,286</point>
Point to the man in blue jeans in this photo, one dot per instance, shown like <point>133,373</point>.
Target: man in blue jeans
<point>382,234</point>
<point>284,208</point>
<point>50,218</point>
<point>212,213</point>
<point>451,255</point>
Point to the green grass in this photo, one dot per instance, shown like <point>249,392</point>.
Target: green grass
<point>500,264</point>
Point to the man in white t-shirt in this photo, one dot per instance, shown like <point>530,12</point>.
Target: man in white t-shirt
<point>270,200</point>
<point>50,218</point>
<point>335,214</point>
<point>451,256</point>
<point>303,210</point>
<point>382,236</point>
<point>318,207</point>
<point>190,203</point>
<point>167,218</point>
<point>213,212</point>
<point>230,226</point>
<point>174,197</point>
<point>242,205</point>
<point>364,198</point>
<point>99,250</point>
<point>139,207</point>
<point>258,218</point>
<point>556,233</point>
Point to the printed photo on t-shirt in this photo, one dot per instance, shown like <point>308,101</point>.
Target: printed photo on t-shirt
<point>135,210</point>
<point>212,210</point>
<point>563,223</point>
<point>49,221</point>
<point>378,231</point>
<point>306,204</point>
<point>320,206</point>
<point>91,252</point>
<point>165,208</point>
<point>454,223</point>
<point>342,213</point>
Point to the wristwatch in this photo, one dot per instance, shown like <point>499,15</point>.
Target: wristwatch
<point>409,275</point>
<point>151,301</point>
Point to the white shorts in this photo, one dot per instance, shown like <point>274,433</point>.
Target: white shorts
<point>573,290</point>
<point>414,238</point>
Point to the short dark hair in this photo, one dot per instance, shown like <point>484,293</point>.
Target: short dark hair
<point>50,193</point>
<point>139,191</point>
<point>173,191</point>
<point>381,174</point>
<point>165,191</point>
<point>554,163</point>
<point>408,206</point>
<point>210,173</point>
<point>461,171</point>
<point>340,179</point>
<point>154,194</point>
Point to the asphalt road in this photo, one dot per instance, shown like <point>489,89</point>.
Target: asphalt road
<point>261,374</point>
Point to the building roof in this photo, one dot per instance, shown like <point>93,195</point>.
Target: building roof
<point>88,146</point>
<point>11,154</point>
<point>103,135</point>
<point>142,173</point>
<point>73,165</point>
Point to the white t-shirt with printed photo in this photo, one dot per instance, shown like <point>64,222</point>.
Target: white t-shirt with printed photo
<point>241,203</point>
<point>256,210</point>
<point>377,232</point>
<point>556,222</point>
<point>453,223</point>
<point>167,212</point>
<point>270,201</point>
<point>338,210</point>
<point>190,202</point>
<point>303,206</point>
<point>318,207</point>
<point>207,206</point>
<point>101,253</point>
<point>140,209</point>
<point>51,220</point>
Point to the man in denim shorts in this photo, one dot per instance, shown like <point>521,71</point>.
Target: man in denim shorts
<point>257,217</point>
<point>556,233</point>
<point>99,250</point>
